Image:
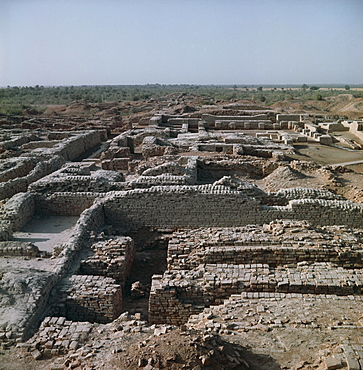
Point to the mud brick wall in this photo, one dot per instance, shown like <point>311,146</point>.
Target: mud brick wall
<point>211,119</point>
<point>71,184</point>
<point>170,173</point>
<point>180,206</point>
<point>17,141</point>
<point>243,125</point>
<point>18,210</point>
<point>165,306</point>
<point>6,231</point>
<point>304,193</point>
<point>258,151</point>
<point>10,248</point>
<point>73,147</point>
<point>181,293</point>
<point>16,168</point>
<point>219,168</point>
<point>288,117</point>
<point>91,219</point>
<point>179,121</point>
<point>317,212</point>
<point>278,243</point>
<point>12,187</point>
<point>91,298</point>
<point>64,203</point>
<point>272,255</point>
<point>39,144</point>
<point>211,205</point>
<point>160,180</point>
<point>20,184</point>
<point>112,258</point>
<point>28,315</point>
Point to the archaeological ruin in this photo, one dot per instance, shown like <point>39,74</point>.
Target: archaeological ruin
<point>198,221</point>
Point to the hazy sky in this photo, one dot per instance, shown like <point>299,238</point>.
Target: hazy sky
<point>115,42</point>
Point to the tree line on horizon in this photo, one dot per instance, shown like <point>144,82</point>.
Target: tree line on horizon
<point>13,100</point>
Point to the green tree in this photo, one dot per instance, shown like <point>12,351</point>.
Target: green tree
<point>259,88</point>
<point>314,88</point>
<point>347,87</point>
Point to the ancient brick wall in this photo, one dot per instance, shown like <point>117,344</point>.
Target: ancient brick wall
<point>207,205</point>
<point>211,119</point>
<point>16,168</point>
<point>91,298</point>
<point>180,206</point>
<point>317,212</point>
<point>20,184</point>
<point>11,248</point>
<point>273,255</point>
<point>91,219</point>
<point>73,147</point>
<point>17,141</point>
<point>18,210</point>
<point>112,258</point>
<point>181,293</point>
<point>64,203</point>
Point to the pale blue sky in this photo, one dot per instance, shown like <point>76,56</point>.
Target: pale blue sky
<point>116,42</point>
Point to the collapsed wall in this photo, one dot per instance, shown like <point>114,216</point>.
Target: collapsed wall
<point>206,266</point>
<point>177,295</point>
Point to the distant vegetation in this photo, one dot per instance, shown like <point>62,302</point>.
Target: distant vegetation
<point>13,100</point>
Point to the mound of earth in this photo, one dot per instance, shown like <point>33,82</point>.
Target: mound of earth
<point>54,110</point>
<point>183,350</point>
<point>341,105</point>
<point>283,177</point>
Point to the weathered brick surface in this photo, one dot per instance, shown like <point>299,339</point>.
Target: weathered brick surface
<point>278,243</point>
<point>9,248</point>
<point>42,157</point>
<point>64,203</point>
<point>18,210</point>
<point>90,298</point>
<point>181,293</point>
<point>112,258</point>
<point>211,205</point>
<point>14,167</point>
<point>28,311</point>
<point>207,266</point>
<point>57,336</point>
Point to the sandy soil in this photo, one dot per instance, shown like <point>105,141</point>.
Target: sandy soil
<point>325,154</point>
<point>46,232</point>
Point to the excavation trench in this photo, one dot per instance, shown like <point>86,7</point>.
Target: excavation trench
<point>150,259</point>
